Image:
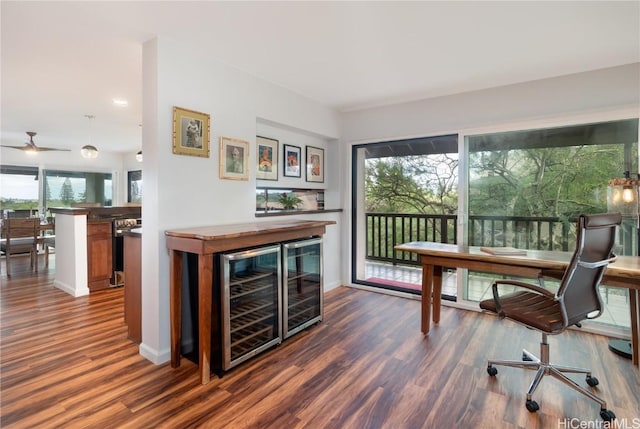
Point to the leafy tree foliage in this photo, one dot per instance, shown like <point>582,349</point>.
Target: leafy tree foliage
<point>560,181</point>
<point>539,182</point>
<point>66,192</point>
<point>412,184</point>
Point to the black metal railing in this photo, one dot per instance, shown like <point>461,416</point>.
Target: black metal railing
<point>386,230</point>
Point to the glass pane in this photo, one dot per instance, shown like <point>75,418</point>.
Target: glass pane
<point>526,189</point>
<point>405,191</point>
<point>134,193</point>
<point>19,192</point>
<point>71,188</point>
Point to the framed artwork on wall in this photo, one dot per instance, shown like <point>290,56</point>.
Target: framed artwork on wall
<point>234,159</point>
<point>267,165</point>
<point>190,132</point>
<point>291,161</point>
<point>315,164</point>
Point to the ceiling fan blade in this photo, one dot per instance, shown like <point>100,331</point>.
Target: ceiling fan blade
<point>28,148</point>
<point>46,149</point>
<point>16,147</point>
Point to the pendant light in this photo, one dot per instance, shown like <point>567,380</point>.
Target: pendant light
<point>89,151</point>
<point>623,195</point>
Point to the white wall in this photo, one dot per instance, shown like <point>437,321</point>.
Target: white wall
<point>185,191</point>
<point>547,98</point>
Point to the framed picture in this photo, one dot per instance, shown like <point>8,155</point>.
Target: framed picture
<point>190,132</point>
<point>234,159</point>
<point>315,164</point>
<point>291,161</point>
<point>267,165</point>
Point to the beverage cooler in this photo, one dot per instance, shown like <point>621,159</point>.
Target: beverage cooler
<point>250,303</point>
<point>260,296</point>
<point>302,285</point>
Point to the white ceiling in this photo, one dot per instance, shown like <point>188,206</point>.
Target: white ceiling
<point>64,60</point>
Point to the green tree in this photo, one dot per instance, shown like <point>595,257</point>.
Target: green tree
<point>412,184</point>
<point>558,181</point>
<point>66,192</point>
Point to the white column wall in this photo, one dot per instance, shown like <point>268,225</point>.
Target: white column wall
<point>184,191</point>
<point>71,254</point>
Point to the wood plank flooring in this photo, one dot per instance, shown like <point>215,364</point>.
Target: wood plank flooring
<point>66,363</point>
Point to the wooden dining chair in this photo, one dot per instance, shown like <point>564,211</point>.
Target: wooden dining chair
<point>20,235</point>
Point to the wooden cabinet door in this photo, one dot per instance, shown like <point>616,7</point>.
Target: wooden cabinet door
<point>132,287</point>
<point>99,254</point>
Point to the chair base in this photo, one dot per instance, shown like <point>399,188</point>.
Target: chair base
<point>621,348</point>
<point>543,367</point>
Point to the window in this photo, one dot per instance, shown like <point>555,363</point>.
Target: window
<point>520,188</point>
<point>546,175</point>
<point>403,191</point>
<point>68,188</point>
<point>18,190</point>
<point>526,189</point>
<point>134,188</point>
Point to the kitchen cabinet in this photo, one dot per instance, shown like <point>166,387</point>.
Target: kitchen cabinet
<point>99,254</point>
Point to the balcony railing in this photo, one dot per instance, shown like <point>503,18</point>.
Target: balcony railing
<point>386,230</point>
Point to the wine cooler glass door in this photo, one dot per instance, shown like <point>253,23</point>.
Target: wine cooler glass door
<point>302,283</point>
<point>250,303</point>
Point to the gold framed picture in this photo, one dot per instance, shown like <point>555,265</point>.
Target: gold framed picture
<point>190,132</point>
<point>234,159</point>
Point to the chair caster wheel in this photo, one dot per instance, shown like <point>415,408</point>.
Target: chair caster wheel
<point>492,370</point>
<point>607,415</point>
<point>592,381</point>
<point>532,406</point>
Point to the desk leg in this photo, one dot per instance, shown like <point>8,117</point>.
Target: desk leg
<point>205,286</point>
<point>634,303</point>
<point>175,306</point>
<point>437,293</point>
<point>427,282</point>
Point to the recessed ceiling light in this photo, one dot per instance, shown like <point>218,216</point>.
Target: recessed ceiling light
<point>120,102</point>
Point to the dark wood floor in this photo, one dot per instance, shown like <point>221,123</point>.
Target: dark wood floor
<point>67,363</point>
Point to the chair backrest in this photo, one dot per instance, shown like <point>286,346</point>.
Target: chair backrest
<point>20,228</point>
<point>578,289</point>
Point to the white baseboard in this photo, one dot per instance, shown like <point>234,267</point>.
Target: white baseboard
<point>154,355</point>
<point>70,289</point>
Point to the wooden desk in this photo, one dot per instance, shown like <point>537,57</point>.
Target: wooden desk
<point>624,272</point>
<point>205,241</point>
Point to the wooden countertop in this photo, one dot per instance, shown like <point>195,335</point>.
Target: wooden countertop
<point>206,240</point>
<point>100,212</point>
<point>223,232</point>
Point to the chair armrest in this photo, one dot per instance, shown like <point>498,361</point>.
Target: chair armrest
<point>517,283</point>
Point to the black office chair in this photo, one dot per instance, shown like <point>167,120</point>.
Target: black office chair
<point>577,299</point>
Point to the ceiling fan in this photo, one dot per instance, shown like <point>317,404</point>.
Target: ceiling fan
<point>31,147</point>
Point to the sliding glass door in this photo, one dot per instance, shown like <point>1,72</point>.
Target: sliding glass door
<point>520,188</point>
<point>404,190</point>
<point>527,187</point>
